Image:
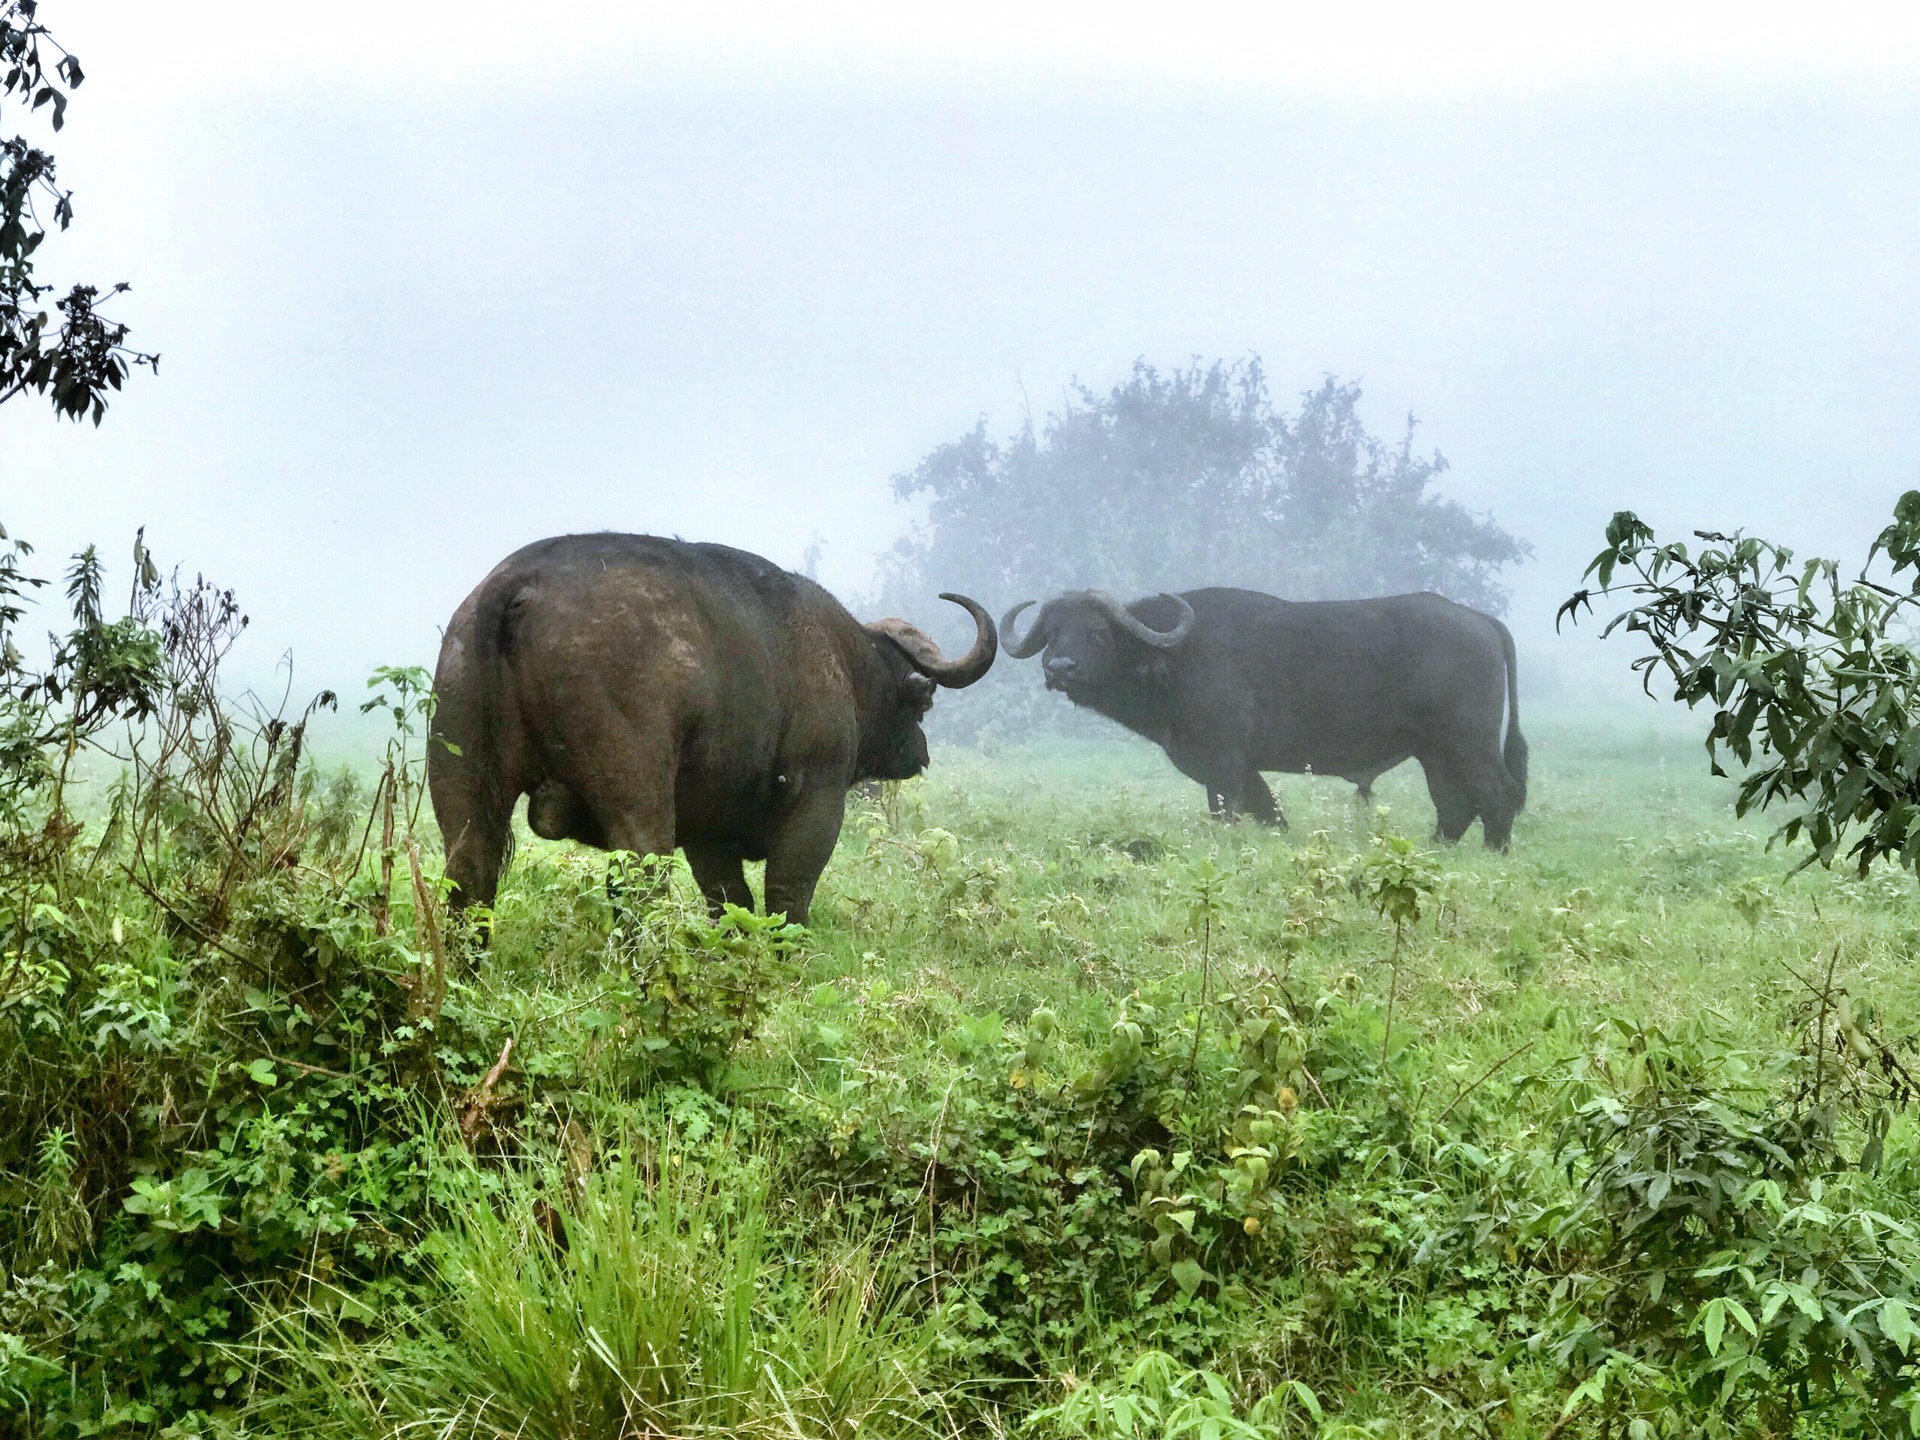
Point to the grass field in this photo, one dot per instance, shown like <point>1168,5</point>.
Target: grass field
<point>1075,1113</point>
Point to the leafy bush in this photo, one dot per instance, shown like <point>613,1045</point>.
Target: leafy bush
<point>1157,1397</point>
<point>700,986</point>
<point>1815,685</point>
<point>1732,1266</point>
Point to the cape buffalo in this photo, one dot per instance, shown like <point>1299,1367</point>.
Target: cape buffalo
<point>651,693</point>
<point>1233,682</point>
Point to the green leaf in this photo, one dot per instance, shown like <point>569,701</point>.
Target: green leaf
<point>1739,1312</point>
<point>263,1073</point>
<point>1896,1323</point>
<point>1188,1275</point>
<point>1304,1393</point>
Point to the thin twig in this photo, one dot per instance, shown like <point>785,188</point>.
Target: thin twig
<point>373,809</point>
<point>1485,1076</point>
<point>1316,1087</point>
<point>155,896</point>
<point>1820,1045</point>
<point>428,928</point>
<point>1393,990</point>
<point>315,1069</point>
<point>933,1168</point>
<point>1206,975</point>
<point>474,1113</point>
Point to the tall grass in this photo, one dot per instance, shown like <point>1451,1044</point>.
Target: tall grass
<point>643,1299</point>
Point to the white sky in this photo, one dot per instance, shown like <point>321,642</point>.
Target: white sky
<point>1414,49</point>
<point>434,284</point>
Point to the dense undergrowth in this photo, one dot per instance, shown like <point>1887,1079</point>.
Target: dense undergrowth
<point>1074,1113</point>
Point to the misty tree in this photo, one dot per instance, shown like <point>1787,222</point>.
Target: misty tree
<point>1187,478</point>
<point>59,346</point>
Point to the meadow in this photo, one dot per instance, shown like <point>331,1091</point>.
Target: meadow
<point>1074,1113</point>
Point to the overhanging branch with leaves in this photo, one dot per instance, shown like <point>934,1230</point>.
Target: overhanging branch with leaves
<point>1814,680</point>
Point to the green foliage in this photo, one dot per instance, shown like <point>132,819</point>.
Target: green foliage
<point>1156,1398</point>
<point>1739,1273</point>
<point>700,986</point>
<point>1814,684</point>
<point>101,673</point>
<point>1072,1113</point>
<point>1395,877</point>
<point>77,359</point>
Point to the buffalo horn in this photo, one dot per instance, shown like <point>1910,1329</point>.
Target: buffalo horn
<point>1036,636</point>
<point>1131,623</point>
<point>926,656</point>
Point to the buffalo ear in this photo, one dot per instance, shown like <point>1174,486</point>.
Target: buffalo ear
<point>917,690</point>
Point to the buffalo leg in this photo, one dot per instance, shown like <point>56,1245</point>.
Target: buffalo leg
<point>1249,796</point>
<point>1453,801</point>
<point>1231,784</point>
<point>1223,803</point>
<point>1497,824</point>
<point>1489,794</point>
<point>1256,799</point>
<point>476,835</point>
<point>720,875</point>
<point>800,850</point>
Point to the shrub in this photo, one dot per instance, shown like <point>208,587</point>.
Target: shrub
<point>1733,1268</point>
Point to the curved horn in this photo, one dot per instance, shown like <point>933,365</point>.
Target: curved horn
<point>1134,626</point>
<point>926,656</point>
<point>1028,645</point>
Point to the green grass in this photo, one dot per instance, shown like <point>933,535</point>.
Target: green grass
<point>1619,896</point>
<point>1074,1107</point>
<point>1058,877</point>
<point>648,1303</point>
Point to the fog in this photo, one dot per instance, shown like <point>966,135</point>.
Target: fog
<point>421,299</point>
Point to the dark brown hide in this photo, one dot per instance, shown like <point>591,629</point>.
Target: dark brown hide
<point>1337,687</point>
<point>649,693</point>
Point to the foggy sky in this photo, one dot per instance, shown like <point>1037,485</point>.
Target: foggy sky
<point>409,323</point>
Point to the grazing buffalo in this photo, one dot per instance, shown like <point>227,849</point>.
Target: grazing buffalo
<point>1233,682</point>
<point>650,693</point>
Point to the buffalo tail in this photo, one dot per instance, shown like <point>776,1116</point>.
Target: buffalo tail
<point>1514,754</point>
<point>477,776</point>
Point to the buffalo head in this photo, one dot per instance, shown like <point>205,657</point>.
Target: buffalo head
<point>1094,644</point>
<point>894,747</point>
